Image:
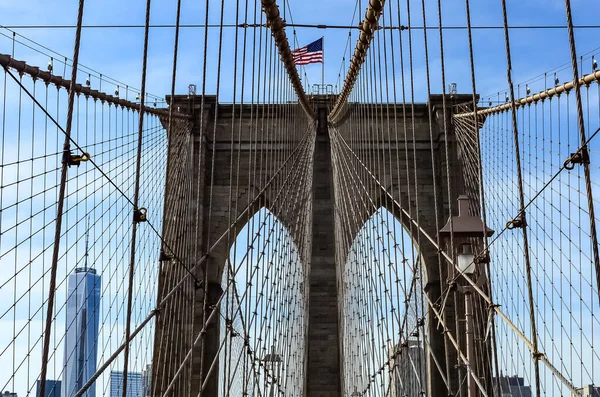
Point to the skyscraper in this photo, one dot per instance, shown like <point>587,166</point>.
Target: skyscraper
<point>408,369</point>
<point>147,381</point>
<point>512,386</point>
<point>52,388</point>
<point>588,391</point>
<point>134,384</point>
<point>81,340</point>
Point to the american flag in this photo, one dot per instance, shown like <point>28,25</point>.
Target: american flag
<point>311,53</point>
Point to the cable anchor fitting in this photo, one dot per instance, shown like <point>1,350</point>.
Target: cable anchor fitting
<point>451,283</point>
<point>518,222</point>
<point>139,215</point>
<point>582,156</point>
<point>71,159</point>
<point>483,258</point>
<point>537,355</point>
<point>163,256</point>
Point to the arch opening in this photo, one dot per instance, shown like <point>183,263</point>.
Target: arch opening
<point>383,310</point>
<point>262,313</point>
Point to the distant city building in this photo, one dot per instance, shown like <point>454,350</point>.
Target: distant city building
<point>512,386</point>
<point>588,391</point>
<point>147,381</point>
<point>408,368</point>
<point>81,341</point>
<point>134,384</point>
<point>52,388</point>
<point>9,394</point>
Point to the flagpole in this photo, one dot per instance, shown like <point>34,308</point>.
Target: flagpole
<point>323,63</point>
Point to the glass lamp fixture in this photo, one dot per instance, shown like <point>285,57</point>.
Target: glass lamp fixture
<point>465,260</point>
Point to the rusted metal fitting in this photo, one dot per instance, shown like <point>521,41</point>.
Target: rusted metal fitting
<point>482,258</point>
<point>518,222</point>
<point>139,215</point>
<point>582,156</point>
<point>163,256</point>
<point>537,355</point>
<point>71,159</point>
<point>376,5</point>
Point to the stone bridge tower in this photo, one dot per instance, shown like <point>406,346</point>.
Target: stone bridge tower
<point>323,362</point>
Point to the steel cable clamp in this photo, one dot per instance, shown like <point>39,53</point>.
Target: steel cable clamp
<point>139,215</point>
<point>581,156</point>
<point>71,159</point>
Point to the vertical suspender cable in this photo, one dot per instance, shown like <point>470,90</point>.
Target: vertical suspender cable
<point>433,165</point>
<point>231,207</point>
<point>200,199</point>
<point>61,200</point>
<point>523,219</point>
<point>481,188</point>
<point>448,182</point>
<point>368,27</point>
<point>586,165</point>
<point>276,24</point>
<point>171,139</point>
<point>136,197</point>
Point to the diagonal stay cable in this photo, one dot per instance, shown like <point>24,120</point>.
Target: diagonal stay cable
<point>583,150</point>
<point>472,283</point>
<point>368,27</point>
<point>136,197</point>
<point>61,198</point>
<point>71,140</point>
<point>565,166</point>
<point>48,52</point>
<point>168,296</point>
<point>534,98</point>
<point>277,25</point>
<point>412,289</point>
<point>229,283</point>
<point>7,61</point>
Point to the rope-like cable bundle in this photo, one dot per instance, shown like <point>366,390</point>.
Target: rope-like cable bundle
<point>277,26</point>
<point>22,67</point>
<point>213,291</point>
<point>368,27</point>
<point>533,99</point>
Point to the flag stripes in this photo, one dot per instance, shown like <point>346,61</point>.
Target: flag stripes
<point>311,53</point>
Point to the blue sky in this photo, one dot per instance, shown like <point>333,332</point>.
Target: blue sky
<point>117,53</point>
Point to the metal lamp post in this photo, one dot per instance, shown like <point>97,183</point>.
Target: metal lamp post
<point>272,361</point>
<point>466,264</point>
<point>463,227</point>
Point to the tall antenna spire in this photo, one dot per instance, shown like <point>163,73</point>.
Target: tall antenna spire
<point>87,243</point>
